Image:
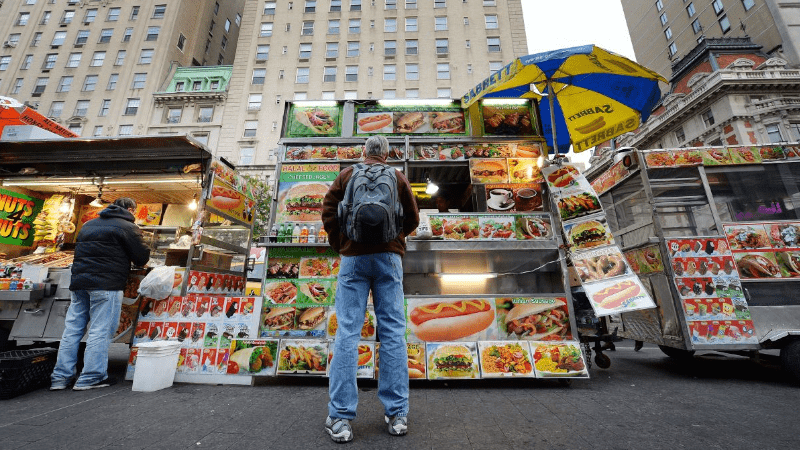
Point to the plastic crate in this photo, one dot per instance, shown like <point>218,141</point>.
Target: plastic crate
<point>22,371</point>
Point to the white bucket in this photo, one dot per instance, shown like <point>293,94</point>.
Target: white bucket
<point>156,363</point>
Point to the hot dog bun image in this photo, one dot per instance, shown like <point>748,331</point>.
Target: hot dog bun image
<point>563,177</point>
<point>225,198</point>
<point>615,295</point>
<point>375,122</point>
<point>409,122</point>
<point>450,320</point>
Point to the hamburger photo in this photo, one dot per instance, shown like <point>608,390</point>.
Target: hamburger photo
<point>303,202</point>
<point>408,122</point>
<point>452,361</point>
<point>488,171</point>
<point>589,234</point>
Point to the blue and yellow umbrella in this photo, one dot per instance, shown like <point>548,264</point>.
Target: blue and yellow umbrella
<point>593,95</point>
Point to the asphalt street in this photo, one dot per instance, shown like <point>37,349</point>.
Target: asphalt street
<point>643,401</point>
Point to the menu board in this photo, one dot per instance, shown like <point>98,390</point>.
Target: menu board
<point>720,156</point>
<point>614,175</point>
<point>314,121</point>
<point>710,290</point>
<point>411,119</point>
<point>301,189</point>
<point>253,357</point>
<point>460,227</point>
<point>229,201</point>
<point>507,197</point>
<point>765,251</point>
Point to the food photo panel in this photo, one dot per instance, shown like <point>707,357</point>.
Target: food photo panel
<point>367,330</point>
<point>763,266</point>
<point>588,233</point>
<point>784,234</point>
<point>577,202</point>
<point>618,295</point>
<point>452,360</point>
<point>496,227</point>
<point>303,357</point>
<point>600,264</point>
<point>747,236</point>
<point>505,359</point>
<point>533,226</point>
<point>698,246</point>
<point>563,177</point>
<point>509,197</point>
<point>366,362</point>
<point>316,291</point>
<point>488,170</point>
<point>558,360</point>
<point>416,360</point>
<point>533,318</point>
<point>438,320</point>
<point>253,357</point>
<point>525,170</point>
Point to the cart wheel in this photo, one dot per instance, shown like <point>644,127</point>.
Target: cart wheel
<point>602,360</point>
<point>566,382</point>
<point>677,353</point>
<point>790,358</point>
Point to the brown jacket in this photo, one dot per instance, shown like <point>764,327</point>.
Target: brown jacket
<point>330,220</point>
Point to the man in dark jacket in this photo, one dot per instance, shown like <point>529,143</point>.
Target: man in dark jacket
<point>364,267</point>
<point>104,250</point>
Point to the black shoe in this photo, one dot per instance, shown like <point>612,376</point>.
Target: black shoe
<point>110,381</point>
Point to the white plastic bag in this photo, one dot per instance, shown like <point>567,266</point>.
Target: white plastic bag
<point>424,227</point>
<point>158,283</point>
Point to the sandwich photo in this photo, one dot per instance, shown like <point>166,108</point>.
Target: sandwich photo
<point>365,354</point>
<point>252,360</point>
<point>447,122</point>
<point>311,318</point>
<point>450,320</point>
<point>451,361</point>
<point>303,202</point>
<point>589,234</point>
<point>281,292</point>
<point>544,321</point>
<point>316,120</point>
<point>408,122</point>
<point>317,292</point>
<point>281,318</point>
<point>576,205</point>
<point>756,265</point>
<point>531,228</point>
<point>368,123</point>
<point>488,171</point>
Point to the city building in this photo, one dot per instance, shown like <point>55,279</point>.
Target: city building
<point>94,65</point>
<point>665,31</point>
<point>357,49</point>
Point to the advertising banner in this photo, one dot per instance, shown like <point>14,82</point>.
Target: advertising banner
<point>17,212</point>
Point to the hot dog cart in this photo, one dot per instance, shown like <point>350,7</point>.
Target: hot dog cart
<point>195,213</point>
<point>713,234</point>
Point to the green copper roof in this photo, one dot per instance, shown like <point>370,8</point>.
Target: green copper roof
<point>200,79</point>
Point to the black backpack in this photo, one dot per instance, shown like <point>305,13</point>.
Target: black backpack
<point>371,211</point>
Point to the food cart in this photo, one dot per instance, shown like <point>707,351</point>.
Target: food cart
<point>713,234</point>
<point>195,213</point>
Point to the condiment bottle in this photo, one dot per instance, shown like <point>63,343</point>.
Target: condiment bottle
<point>304,235</point>
<point>312,235</point>
<point>296,234</point>
<point>273,234</point>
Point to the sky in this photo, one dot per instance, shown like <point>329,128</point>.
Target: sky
<point>555,24</point>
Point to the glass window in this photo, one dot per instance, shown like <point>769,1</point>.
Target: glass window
<point>690,9</point>
<point>45,18</point>
<point>491,21</point>
<point>55,109</point>
<point>82,38</point>
<point>774,133</point>
<point>390,72</point>
<point>246,156</point>
<point>412,71</point>
<point>227,25</point>
<point>98,131</point>
<point>134,12</point>
<point>17,85</point>
<point>67,17</point>
<point>105,105</point>
<point>158,11</point>
<point>389,93</point>
<point>197,85</point>
<point>146,56</point>
<point>113,14</point>
<point>262,52</point>
<point>336,5</point>
<point>132,106</point>
<point>91,14</point>
<point>494,66</point>
<point>663,18</point>
<point>696,27</point>
<point>333,27</point>
<point>718,7</point>
<point>440,3</point>
<point>37,37</point>
<point>748,4</point>
<point>126,37</point>
<point>50,61</point>
<point>126,130</point>
<point>327,95</point>
<point>708,118</point>
<point>441,46</point>
<point>305,51</point>
<point>105,35</point>
<point>301,96</point>
<point>139,80</point>
<point>412,47</point>
<point>58,38</point>
<point>673,49</point>
<point>329,74</point>
<point>389,48</point>
<point>310,7</point>
<point>302,75</point>
<point>742,194</point>
<point>112,81</point>
<point>443,71</point>
<point>411,4</point>
<point>250,127</point>
<point>659,5</point>
<point>97,59</point>
<point>174,115</point>
<point>205,114</point>
<point>389,25</point>
<point>353,48</point>
<point>308,28</point>
<point>266,29</point>
<point>493,43</point>
<point>443,93</point>
<point>81,108</point>
<point>152,33</point>
<point>26,63</point>
<point>89,83</point>
<point>795,127</point>
<point>64,84</point>
<point>724,23</point>
<point>182,41</point>
<point>23,18</point>
<point>668,33</point>
<point>13,39</point>
<point>440,23</point>
<point>331,49</point>
<point>412,93</point>
<point>391,4</point>
<point>349,95</point>
<point>411,24</point>
<point>354,26</point>
<point>41,83</point>
<point>259,75</point>
<point>269,8</point>
<point>680,136</point>
<point>76,128</point>
<point>351,73</point>
<point>355,5</point>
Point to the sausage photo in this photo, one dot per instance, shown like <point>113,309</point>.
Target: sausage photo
<point>373,123</point>
<point>450,320</point>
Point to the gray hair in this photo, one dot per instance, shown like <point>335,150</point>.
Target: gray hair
<point>377,146</point>
<point>125,203</point>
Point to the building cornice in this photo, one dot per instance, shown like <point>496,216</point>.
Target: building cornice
<point>190,96</point>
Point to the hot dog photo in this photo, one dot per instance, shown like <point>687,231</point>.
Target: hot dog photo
<point>438,320</point>
<point>366,361</point>
<point>618,295</point>
<point>374,123</point>
<point>561,177</point>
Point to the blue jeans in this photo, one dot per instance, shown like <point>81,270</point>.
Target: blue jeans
<point>100,311</point>
<point>383,273</point>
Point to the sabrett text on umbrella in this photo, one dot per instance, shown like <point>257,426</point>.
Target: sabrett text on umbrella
<point>605,134</point>
<point>592,110</point>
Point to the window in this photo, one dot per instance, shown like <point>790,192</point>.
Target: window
<point>134,12</point>
<point>174,115</point>
<point>491,21</point>
<point>158,11</point>
<point>105,35</point>
<point>411,24</point>
<point>659,5</point>
<point>45,18</point>
<point>390,72</point>
<point>262,52</point>
<point>216,8</point>
<point>412,47</point>
<point>718,7</point>
<point>390,25</point>
<point>58,38</point>
<point>774,133</point>
<point>139,79</point>
<point>708,118</point>
<point>349,95</point>
<point>152,33</point>
<point>105,105</point>
<point>182,41</point>
<point>13,39</point>
<point>412,93</point>
<point>326,95</point>
<point>696,27</point>
<point>82,38</point>
<point>75,128</point>
<point>266,29</point>
<point>113,14</point>
<point>280,74</point>
<point>98,131</point>
<point>336,5</point>
<point>17,85</point>
<point>305,51</point>
<point>89,83</point>
<point>97,59</point>
<point>180,86</point>
<point>50,61</point>
<point>26,63</point>
<point>355,5</point>
<point>668,33</point>
<point>224,42</point>
<point>680,136</point>
<point>440,3</point>
<point>259,75</point>
<point>277,99</point>
<point>23,18</point>
<point>466,20</point>
<point>146,56</point>
<point>302,75</point>
<point>443,71</point>
<point>132,107</point>
<point>64,84</point>
<point>331,50</point>
<point>311,6</point>
<point>389,93</point>
<point>673,49</point>
<point>67,17</point>
<point>329,74</point>
<point>301,95</point>
<point>494,66</point>
<point>91,14</point>
<point>391,4</point>
<point>37,37</point>
<point>748,4</point>
<point>443,93</point>
<point>440,23</point>
<point>246,156</point>
<point>41,83</point>
<point>663,18</point>
<point>269,8</point>
<point>250,127</point>
<point>353,48</point>
<point>351,73</point>
<point>126,37</point>
<point>205,114</point>
<point>354,26</point>
<point>125,130</point>
<point>411,4</point>
<point>412,71</point>
<point>690,9</point>
<point>333,27</point>
<point>724,23</point>
<point>74,60</point>
<point>254,102</point>
<point>493,43</point>
<point>197,85</point>
<point>441,47</point>
<point>56,108</point>
<point>112,81</point>
<point>227,25</point>
<point>389,48</point>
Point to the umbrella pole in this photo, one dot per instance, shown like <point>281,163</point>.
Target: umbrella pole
<point>550,95</point>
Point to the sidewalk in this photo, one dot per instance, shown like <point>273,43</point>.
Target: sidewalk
<point>644,400</point>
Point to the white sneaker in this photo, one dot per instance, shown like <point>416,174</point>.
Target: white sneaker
<point>339,429</point>
<point>398,425</point>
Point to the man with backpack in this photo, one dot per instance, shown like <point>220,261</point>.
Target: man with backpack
<point>367,213</point>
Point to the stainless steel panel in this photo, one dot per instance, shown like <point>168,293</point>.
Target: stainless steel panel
<point>9,310</point>
<point>771,320</point>
<point>32,319</point>
<point>55,323</point>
